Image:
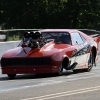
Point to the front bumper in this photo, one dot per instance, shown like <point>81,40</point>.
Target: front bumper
<point>29,70</point>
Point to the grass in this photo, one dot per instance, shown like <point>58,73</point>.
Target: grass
<point>14,38</point>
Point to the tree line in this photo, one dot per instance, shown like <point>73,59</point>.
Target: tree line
<point>40,14</point>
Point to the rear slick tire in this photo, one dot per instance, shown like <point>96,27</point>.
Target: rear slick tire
<point>11,76</point>
<point>90,62</point>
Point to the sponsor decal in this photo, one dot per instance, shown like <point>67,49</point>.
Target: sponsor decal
<point>82,49</point>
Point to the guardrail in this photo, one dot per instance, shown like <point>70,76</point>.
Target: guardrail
<point>4,46</point>
<point>13,34</point>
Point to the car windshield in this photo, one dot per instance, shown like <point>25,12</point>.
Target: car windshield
<point>58,37</point>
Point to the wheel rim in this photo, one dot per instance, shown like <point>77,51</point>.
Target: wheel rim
<point>61,69</point>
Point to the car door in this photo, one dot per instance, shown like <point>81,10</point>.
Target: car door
<point>79,43</point>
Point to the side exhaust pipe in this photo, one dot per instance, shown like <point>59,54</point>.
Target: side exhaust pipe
<point>72,66</point>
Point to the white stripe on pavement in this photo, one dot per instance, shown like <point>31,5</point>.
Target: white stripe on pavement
<point>67,93</point>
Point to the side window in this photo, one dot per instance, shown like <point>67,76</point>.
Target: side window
<point>76,38</point>
<point>84,40</point>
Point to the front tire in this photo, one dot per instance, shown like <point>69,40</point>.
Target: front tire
<point>60,70</point>
<point>11,76</point>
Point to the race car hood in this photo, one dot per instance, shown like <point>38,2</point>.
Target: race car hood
<point>18,51</point>
<point>47,50</point>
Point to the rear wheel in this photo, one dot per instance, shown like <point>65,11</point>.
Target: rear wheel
<point>90,61</point>
<point>11,76</point>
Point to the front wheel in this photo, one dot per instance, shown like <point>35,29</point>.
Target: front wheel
<point>60,70</point>
<point>11,76</point>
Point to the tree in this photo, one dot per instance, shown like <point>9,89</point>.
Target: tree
<point>50,14</point>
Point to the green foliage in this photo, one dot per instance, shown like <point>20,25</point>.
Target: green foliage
<point>30,14</point>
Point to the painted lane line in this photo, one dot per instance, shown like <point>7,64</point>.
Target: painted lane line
<point>50,82</point>
<point>67,93</point>
<point>44,84</point>
<point>30,86</point>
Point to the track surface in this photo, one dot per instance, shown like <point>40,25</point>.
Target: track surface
<point>69,86</point>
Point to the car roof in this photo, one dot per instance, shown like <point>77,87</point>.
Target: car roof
<point>59,30</point>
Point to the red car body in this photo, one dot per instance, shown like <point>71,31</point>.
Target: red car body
<point>80,52</point>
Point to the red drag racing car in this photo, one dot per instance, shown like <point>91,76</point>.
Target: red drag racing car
<point>50,51</point>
